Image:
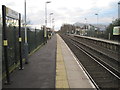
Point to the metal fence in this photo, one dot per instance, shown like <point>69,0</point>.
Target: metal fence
<point>35,38</point>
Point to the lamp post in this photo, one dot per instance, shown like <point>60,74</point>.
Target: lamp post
<point>119,10</point>
<point>26,42</point>
<point>51,20</point>
<point>96,29</point>
<point>86,23</point>
<point>53,24</point>
<point>46,12</point>
<point>86,20</point>
<point>97,18</point>
<point>45,29</point>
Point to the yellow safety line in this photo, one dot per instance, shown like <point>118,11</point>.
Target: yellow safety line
<point>61,75</point>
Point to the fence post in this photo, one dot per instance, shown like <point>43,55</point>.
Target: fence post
<point>20,46</point>
<point>15,50</point>
<point>5,44</point>
<point>35,39</point>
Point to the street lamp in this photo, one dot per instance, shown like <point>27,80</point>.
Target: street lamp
<point>26,42</point>
<point>45,29</point>
<point>86,20</point>
<point>97,18</point>
<point>86,23</point>
<point>50,19</point>
<point>46,12</point>
<point>119,10</point>
<point>53,22</point>
<point>96,29</point>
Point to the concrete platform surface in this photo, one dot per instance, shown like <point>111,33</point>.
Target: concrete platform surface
<point>75,74</point>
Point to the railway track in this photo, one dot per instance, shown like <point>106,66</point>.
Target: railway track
<point>103,70</point>
<point>111,63</point>
<point>102,49</point>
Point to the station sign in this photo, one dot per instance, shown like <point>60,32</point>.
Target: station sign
<point>116,30</point>
<point>11,13</point>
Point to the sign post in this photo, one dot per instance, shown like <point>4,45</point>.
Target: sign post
<point>5,44</point>
<point>20,42</point>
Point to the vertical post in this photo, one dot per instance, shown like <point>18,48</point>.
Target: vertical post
<point>45,14</point>
<point>45,29</point>
<point>26,43</point>
<point>20,46</point>
<point>51,20</point>
<point>35,38</point>
<point>25,23</point>
<point>53,25</point>
<point>86,21</point>
<point>86,32</point>
<point>5,44</point>
<point>97,18</point>
<point>0,53</point>
<point>46,20</point>
<point>45,34</point>
<point>109,36</point>
<point>15,50</point>
<point>119,10</point>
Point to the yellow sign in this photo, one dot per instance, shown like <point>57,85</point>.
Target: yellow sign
<point>5,43</point>
<point>116,30</point>
<point>20,39</point>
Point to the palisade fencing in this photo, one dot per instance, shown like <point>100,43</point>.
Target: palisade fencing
<point>35,38</point>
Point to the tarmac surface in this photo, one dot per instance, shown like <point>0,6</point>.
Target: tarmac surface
<point>41,70</point>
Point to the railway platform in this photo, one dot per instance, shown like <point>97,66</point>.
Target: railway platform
<point>52,66</point>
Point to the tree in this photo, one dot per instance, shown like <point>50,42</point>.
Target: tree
<point>67,28</point>
<point>109,29</point>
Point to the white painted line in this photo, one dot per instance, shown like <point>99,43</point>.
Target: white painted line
<point>101,64</point>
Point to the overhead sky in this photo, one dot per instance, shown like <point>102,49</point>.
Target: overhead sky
<point>66,11</point>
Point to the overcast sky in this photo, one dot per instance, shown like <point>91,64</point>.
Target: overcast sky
<point>66,11</point>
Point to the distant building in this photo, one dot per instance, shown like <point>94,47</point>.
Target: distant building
<point>77,30</point>
<point>91,27</point>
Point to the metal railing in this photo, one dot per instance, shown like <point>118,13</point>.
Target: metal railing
<point>35,38</point>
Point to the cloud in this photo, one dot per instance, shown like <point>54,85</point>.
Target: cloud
<point>66,11</point>
<point>11,4</point>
